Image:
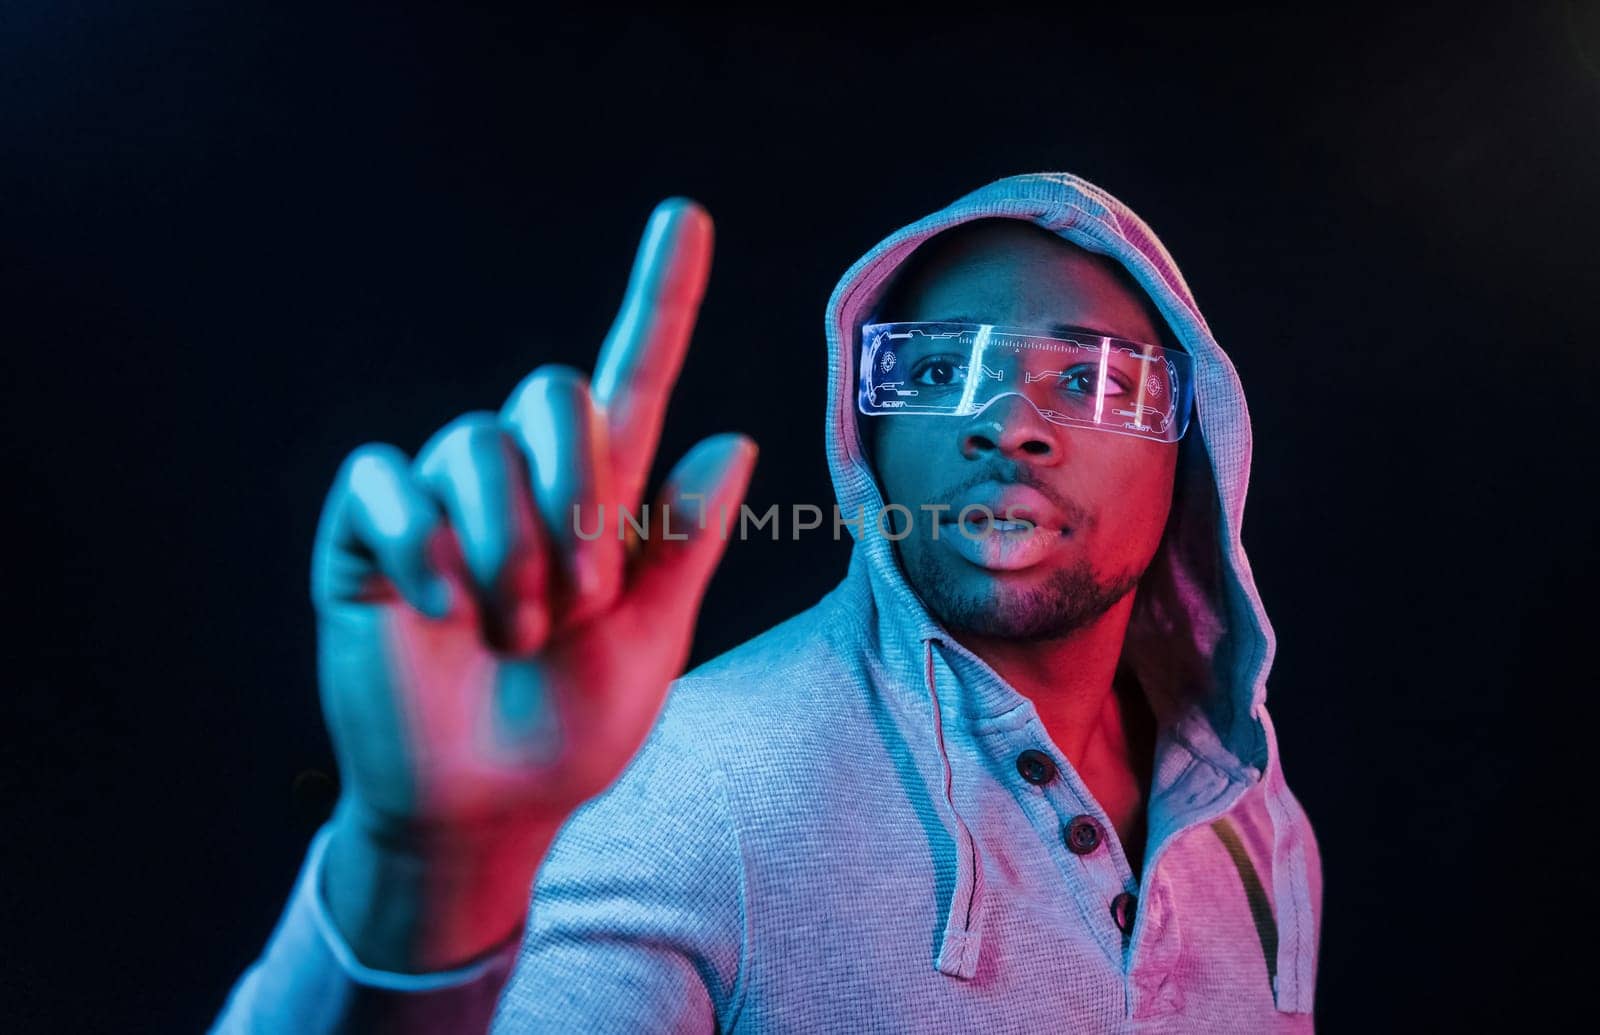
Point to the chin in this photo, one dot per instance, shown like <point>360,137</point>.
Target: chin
<point>1041,602</point>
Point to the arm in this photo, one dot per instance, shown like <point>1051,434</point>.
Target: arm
<point>308,979</point>
<point>492,651</point>
<point>637,923</point>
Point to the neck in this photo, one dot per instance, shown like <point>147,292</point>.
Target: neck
<point>1070,679</point>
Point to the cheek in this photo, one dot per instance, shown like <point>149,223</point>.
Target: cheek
<point>1131,493</point>
<point>901,456</point>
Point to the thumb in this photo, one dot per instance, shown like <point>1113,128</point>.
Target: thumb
<point>695,509</point>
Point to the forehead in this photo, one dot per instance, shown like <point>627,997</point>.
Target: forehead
<point>1011,272</point>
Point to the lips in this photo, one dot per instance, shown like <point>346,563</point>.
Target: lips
<point>1008,528</point>
<point>981,521</point>
<point>989,509</point>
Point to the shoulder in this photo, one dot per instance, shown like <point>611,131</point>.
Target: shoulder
<point>815,643</point>
<point>755,728</point>
<point>782,728</point>
<point>795,677</point>
<point>1274,830</point>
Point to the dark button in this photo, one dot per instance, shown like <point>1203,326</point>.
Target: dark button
<point>1036,767</point>
<point>1083,835</point>
<point>1123,908</point>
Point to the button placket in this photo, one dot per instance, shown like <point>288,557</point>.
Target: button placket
<point>1054,796</point>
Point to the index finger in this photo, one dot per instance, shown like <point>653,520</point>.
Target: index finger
<point>644,350</point>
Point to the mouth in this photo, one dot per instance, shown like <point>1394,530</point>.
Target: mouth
<point>981,524</point>
<point>1005,509</point>
<point>999,544</point>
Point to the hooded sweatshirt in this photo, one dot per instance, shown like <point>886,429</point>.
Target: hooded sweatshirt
<point>828,828</point>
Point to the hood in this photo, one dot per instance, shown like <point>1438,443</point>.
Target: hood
<point>1199,640</point>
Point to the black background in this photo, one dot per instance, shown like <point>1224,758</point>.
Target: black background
<point>238,242</point>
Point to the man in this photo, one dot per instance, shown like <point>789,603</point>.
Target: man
<point>1013,772</point>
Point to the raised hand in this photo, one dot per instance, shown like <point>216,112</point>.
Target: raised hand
<point>491,650</point>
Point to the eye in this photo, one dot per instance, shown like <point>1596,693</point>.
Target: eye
<point>937,371</point>
<point>1085,380</point>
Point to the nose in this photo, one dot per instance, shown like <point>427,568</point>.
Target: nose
<point>1015,428</point>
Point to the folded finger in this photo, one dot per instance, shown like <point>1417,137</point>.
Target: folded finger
<point>374,534</point>
<point>474,468</point>
<point>553,420</point>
